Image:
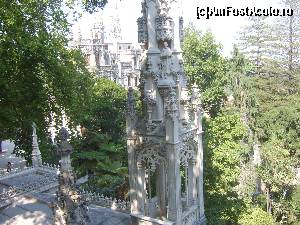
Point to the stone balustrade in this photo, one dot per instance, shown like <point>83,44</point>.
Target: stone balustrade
<point>19,171</point>
<point>15,172</point>
<point>190,217</point>
<point>107,202</point>
<point>47,181</point>
<point>49,166</point>
<point>145,220</point>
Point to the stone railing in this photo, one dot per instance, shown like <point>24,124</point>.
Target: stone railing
<point>49,181</point>
<point>49,166</point>
<point>107,202</point>
<point>190,217</point>
<point>145,220</point>
<point>7,196</point>
<point>153,207</point>
<point>9,193</point>
<point>14,172</point>
<point>4,174</point>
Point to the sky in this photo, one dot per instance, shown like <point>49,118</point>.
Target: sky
<point>224,29</point>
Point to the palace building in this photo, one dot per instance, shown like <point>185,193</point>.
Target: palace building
<point>107,55</point>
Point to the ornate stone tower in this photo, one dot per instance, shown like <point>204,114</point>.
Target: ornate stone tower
<point>165,153</point>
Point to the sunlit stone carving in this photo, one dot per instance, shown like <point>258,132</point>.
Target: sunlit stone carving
<point>166,140</point>
<point>164,28</point>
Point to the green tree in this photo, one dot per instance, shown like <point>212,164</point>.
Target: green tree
<point>223,152</point>
<point>256,216</point>
<point>288,48</point>
<point>224,130</point>
<point>273,119</point>
<point>255,41</point>
<point>101,149</point>
<point>39,75</point>
<point>205,66</point>
<point>107,109</point>
<point>276,170</point>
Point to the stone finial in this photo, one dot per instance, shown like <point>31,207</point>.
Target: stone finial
<point>64,134</point>
<point>36,154</point>
<point>64,147</point>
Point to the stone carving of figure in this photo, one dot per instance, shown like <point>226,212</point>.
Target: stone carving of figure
<point>143,60</point>
<point>166,59</point>
<point>171,106</point>
<point>8,167</point>
<point>163,7</point>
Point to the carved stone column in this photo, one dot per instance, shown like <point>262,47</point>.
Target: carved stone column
<point>175,12</point>
<point>192,182</point>
<point>141,190</point>
<point>200,175</point>
<point>174,185</point>
<point>197,110</point>
<point>132,174</point>
<point>173,156</point>
<point>131,143</point>
<point>161,190</point>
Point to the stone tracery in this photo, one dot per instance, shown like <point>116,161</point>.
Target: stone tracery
<point>166,141</point>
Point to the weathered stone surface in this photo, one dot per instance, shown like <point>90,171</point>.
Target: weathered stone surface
<point>25,210</point>
<point>13,211</point>
<point>33,211</point>
<point>168,136</point>
<point>3,218</point>
<point>70,208</point>
<point>144,220</point>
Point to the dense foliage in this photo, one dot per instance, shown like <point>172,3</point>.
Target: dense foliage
<point>101,149</point>
<point>223,128</point>
<point>40,77</point>
<point>251,128</point>
<point>223,154</point>
<point>206,67</point>
<point>256,216</point>
<point>273,117</point>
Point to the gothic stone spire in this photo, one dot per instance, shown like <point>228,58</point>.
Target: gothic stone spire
<point>36,154</point>
<point>168,134</point>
